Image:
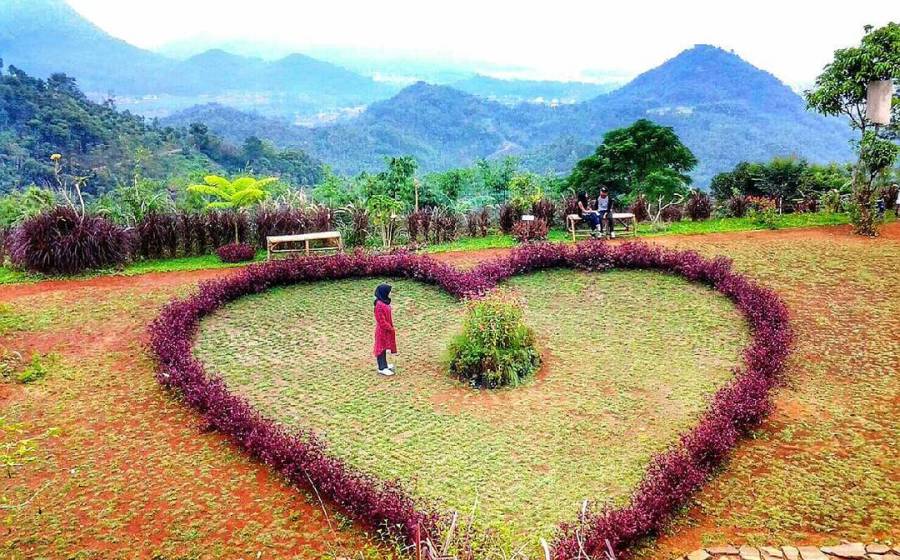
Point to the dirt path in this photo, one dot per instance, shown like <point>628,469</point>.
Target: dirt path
<point>133,471</point>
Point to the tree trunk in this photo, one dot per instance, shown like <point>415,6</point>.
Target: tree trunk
<point>862,215</point>
<point>864,222</point>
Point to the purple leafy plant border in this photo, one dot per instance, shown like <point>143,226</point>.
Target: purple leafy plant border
<point>303,459</point>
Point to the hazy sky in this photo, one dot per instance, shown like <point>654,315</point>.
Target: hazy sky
<point>560,39</point>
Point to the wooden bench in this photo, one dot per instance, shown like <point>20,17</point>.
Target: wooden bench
<point>624,223</point>
<point>274,242</point>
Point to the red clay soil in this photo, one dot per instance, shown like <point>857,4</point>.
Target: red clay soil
<point>118,425</point>
<point>127,448</point>
<point>151,280</point>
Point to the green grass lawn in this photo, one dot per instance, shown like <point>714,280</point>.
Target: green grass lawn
<point>631,359</point>
<point>684,227</point>
<point>721,225</point>
<point>180,264</point>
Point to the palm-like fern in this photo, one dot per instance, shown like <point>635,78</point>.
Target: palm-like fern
<point>236,195</point>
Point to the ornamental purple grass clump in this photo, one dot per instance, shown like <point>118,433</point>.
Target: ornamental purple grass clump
<point>62,241</point>
<point>156,236</point>
<point>236,252</point>
<point>534,230</point>
<point>672,478</point>
<point>698,206</point>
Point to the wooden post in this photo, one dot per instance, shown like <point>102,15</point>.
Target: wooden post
<point>306,245</point>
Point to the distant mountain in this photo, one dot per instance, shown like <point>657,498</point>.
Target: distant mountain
<point>235,126</point>
<point>535,91</point>
<point>47,36</point>
<point>39,118</point>
<point>724,109</point>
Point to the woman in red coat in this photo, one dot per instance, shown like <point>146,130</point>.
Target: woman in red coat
<point>385,336</point>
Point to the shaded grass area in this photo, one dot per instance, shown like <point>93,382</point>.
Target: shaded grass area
<point>631,356</point>
<point>724,225</point>
<point>684,227</point>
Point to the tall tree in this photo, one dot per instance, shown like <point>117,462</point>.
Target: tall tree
<point>496,176</point>
<point>782,177</point>
<point>628,156</point>
<point>841,90</point>
<point>644,158</point>
<point>401,179</point>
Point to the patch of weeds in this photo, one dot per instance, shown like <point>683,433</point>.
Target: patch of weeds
<point>10,319</point>
<point>38,367</point>
<point>17,451</point>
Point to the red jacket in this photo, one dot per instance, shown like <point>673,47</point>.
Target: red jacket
<point>385,338</point>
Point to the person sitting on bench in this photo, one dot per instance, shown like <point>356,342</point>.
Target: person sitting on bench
<point>605,211</point>
<point>588,215</point>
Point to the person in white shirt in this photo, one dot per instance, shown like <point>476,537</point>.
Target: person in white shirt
<point>605,210</point>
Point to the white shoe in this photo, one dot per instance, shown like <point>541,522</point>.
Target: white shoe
<point>612,235</point>
<point>386,372</point>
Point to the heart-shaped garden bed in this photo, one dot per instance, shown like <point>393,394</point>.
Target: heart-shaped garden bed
<point>273,415</point>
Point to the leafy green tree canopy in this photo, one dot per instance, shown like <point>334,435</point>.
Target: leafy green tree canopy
<point>643,156</point>
<point>335,191</point>
<point>784,178</point>
<point>841,90</point>
<point>396,182</point>
<point>235,195</point>
<point>240,193</point>
<point>524,190</point>
<point>841,87</point>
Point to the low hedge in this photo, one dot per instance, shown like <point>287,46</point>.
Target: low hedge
<point>671,479</point>
<point>236,252</point>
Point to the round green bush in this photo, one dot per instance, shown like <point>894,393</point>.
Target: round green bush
<point>496,348</point>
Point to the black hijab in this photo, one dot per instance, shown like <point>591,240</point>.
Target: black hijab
<point>383,294</point>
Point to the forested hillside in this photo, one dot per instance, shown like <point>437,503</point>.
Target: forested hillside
<point>725,110</point>
<point>512,91</point>
<point>39,118</point>
<point>44,37</point>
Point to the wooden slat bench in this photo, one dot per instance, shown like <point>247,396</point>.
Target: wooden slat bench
<point>273,243</point>
<point>624,223</point>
